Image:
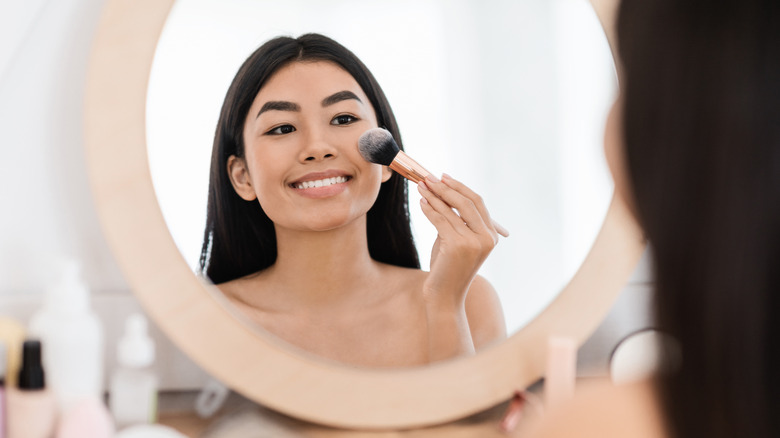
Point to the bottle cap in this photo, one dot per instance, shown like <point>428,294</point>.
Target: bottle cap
<point>31,375</point>
<point>69,293</point>
<point>136,348</point>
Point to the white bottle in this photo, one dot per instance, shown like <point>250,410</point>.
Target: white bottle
<point>133,398</point>
<point>72,339</point>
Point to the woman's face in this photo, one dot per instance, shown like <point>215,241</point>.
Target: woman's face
<point>301,159</point>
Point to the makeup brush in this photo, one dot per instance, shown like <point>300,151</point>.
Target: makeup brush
<point>378,146</point>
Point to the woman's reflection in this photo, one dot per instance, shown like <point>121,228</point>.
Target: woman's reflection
<point>314,243</point>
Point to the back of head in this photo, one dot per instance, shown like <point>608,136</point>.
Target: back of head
<point>701,124</point>
<point>239,238</point>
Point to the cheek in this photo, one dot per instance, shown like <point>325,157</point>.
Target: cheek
<point>266,178</point>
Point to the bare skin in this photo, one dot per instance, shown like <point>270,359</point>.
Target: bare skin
<point>325,293</point>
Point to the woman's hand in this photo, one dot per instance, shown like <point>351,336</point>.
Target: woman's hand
<point>466,238</point>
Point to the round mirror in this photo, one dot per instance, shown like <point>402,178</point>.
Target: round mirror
<point>509,99</point>
<point>253,362</point>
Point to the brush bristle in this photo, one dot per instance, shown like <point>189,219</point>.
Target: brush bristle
<point>377,146</point>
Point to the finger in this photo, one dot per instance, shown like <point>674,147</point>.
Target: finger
<point>499,228</point>
<point>467,209</point>
<point>477,200</point>
<point>442,224</point>
<point>444,210</point>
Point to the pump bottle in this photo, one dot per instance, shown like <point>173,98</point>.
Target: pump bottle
<point>133,396</point>
<point>72,339</point>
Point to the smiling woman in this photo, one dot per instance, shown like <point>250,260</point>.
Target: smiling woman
<point>310,240</point>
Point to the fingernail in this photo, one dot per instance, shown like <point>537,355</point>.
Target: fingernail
<point>422,185</point>
<point>445,176</point>
<point>432,178</point>
<point>423,201</point>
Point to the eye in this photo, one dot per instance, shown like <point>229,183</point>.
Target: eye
<point>281,130</point>
<point>343,119</point>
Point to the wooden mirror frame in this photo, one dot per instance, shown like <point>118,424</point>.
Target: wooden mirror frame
<point>254,363</point>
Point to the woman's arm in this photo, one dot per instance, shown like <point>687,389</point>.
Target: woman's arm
<point>484,313</point>
<point>466,236</point>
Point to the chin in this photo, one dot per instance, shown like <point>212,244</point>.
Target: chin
<point>325,222</point>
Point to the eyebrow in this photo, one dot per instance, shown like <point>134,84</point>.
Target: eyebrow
<point>278,105</point>
<point>338,97</point>
<point>281,105</point>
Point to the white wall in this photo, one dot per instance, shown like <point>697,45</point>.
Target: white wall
<point>47,209</point>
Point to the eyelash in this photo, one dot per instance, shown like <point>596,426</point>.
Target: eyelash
<point>273,131</point>
<point>353,119</point>
<point>277,130</point>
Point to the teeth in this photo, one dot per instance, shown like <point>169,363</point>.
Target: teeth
<point>321,182</point>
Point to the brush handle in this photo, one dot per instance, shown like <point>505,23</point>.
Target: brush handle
<point>405,166</point>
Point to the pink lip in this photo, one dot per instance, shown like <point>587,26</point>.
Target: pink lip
<point>321,192</point>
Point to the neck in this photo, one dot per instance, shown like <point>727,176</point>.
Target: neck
<point>323,266</point>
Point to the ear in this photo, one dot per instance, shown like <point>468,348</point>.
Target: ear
<point>386,173</point>
<point>239,177</point>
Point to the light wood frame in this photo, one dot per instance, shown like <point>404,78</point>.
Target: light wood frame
<point>254,363</point>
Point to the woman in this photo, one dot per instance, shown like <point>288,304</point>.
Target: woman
<point>698,159</point>
<point>314,243</point>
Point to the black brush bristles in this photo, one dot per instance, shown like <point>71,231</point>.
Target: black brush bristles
<point>378,146</point>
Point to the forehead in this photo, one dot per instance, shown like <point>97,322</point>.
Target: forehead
<point>303,81</point>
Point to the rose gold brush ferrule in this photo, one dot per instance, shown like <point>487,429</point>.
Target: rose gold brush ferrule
<point>408,168</point>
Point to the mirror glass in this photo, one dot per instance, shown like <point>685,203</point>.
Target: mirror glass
<point>511,99</point>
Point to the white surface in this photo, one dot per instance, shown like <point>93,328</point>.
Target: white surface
<point>47,208</point>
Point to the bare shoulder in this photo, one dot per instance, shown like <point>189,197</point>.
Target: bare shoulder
<point>604,410</point>
<point>484,313</point>
<point>234,290</point>
<point>240,292</point>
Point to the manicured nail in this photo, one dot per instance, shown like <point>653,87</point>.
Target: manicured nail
<point>446,176</point>
<point>423,201</point>
<point>432,178</point>
<point>422,185</point>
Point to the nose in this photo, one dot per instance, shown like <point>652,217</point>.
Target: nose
<point>317,148</point>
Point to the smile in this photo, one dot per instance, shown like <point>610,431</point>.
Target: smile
<point>321,182</point>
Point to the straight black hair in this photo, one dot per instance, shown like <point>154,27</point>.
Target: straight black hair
<point>701,124</point>
<point>239,238</point>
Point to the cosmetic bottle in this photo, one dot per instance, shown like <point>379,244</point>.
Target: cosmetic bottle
<point>12,334</point>
<point>3,368</point>
<point>31,406</point>
<point>133,396</point>
<point>72,339</point>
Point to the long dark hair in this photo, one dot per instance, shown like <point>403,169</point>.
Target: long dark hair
<point>239,238</point>
<point>701,111</point>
